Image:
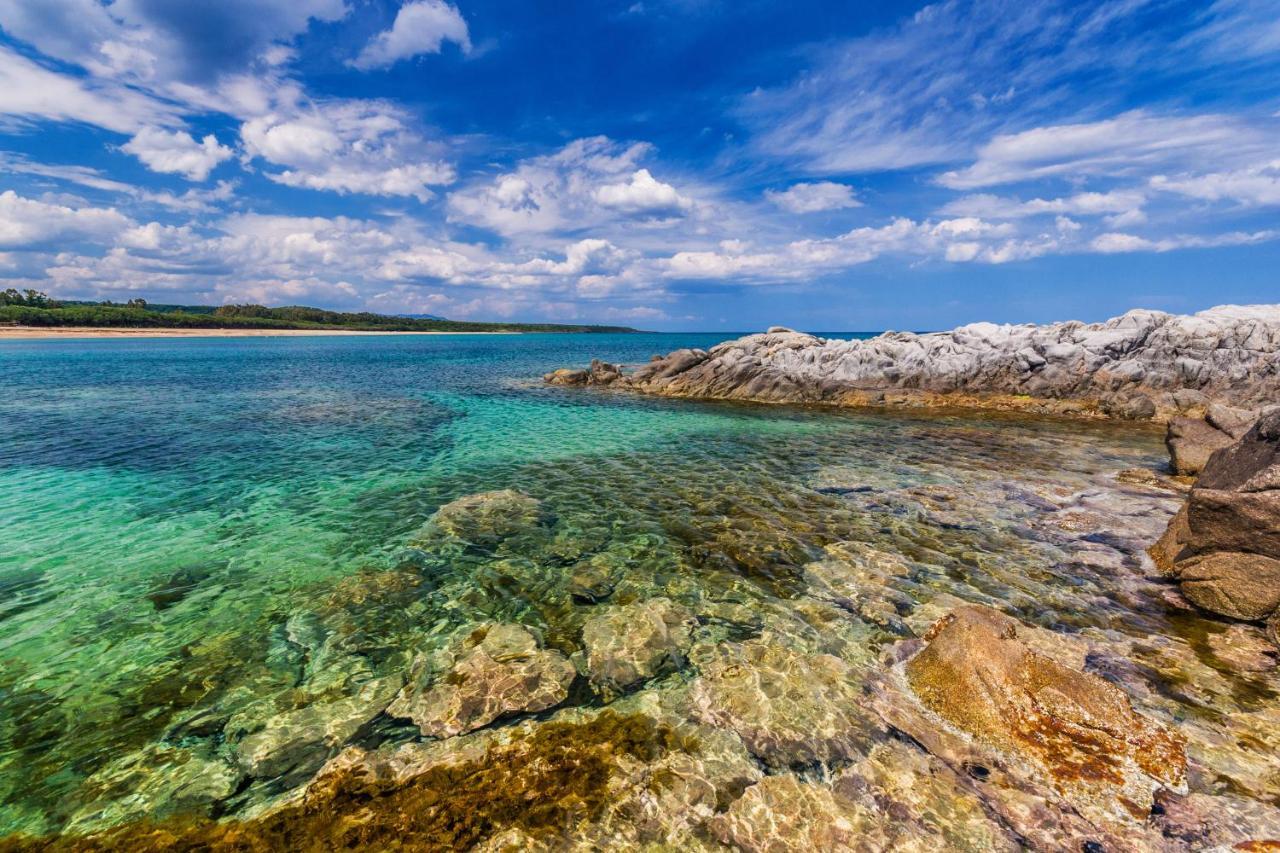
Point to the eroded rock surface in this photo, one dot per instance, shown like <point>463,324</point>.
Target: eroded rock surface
<point>1079,731</point>
<point>496,670</point>
<point>1140,365</point>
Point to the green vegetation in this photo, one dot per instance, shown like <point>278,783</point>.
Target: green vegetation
<point>32,308</point>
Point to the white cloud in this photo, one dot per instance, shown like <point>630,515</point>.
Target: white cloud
<point>177,152</point>
<point>420,27</point>
<point>30,91</point>
<point>644,196</point>
<point>1135,142</point>
<point>26,223</point>
<point>346,147</point>
<point>1255,185</point>
<point>157,44</point>
<point>588,183</point>
<point>932,88</point>
<point>83,175</point>
<point>1117,242</point>
<point>1116,202</point>
<point>811,198</point>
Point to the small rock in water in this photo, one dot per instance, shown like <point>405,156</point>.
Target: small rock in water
<point>179,585</point>
<point>591,583</point>
<point>632,643</point>
<point>497,670</point>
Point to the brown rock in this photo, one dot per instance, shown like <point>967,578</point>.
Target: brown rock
<point>1077,729</point>
<point>567,376</point>
<point>485,518</point>
<point>1172,543</point>
<point>1242,586</point>
<point>1191,441</point>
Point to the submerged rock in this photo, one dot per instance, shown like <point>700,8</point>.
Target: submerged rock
<point>631,643</point>
<point>1140,365</point>
<point>789,708</point>
<point>485,518</point>
<point>293,745</point>
<point>156,783</point>
<point>1079,731</point>
<point>783,814</point>
<point>496,670</point>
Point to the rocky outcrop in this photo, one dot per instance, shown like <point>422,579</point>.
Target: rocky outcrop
<point>1077,729</point>
<point>496,670</point>
<point>1223,546</point>
<point>1191,441</point>
<point>1140,365</point>
<point>1059,755</point>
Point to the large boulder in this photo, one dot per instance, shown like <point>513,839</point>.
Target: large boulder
<point>1224,545</point>
<point>496,670</point>
<point>1078,731</point>
<point>1191,441</point>
<point>1230,583</point>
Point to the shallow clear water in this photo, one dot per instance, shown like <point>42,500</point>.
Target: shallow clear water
<point>172,508</point>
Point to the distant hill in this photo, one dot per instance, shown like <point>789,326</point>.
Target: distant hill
<point>37,309</point>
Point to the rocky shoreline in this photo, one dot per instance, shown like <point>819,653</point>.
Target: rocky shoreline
<point>1142,365</point>
<point>978,657</point>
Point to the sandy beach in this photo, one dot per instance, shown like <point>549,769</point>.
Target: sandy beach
<point>51,332</point>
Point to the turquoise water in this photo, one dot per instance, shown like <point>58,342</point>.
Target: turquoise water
<point>169,506</point>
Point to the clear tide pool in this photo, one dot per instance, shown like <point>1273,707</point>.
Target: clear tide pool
<point>172,510</point>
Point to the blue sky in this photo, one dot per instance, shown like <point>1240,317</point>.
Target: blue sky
<point>670,164</point>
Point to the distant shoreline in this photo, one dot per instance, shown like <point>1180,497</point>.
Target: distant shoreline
<point>33,333</point>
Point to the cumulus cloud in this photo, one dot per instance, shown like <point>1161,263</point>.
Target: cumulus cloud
<point>27,223</point>
<point>177,152</point>
<point>420,27</point>
<point>815,197</point>
<point>346,147</point>
<point>642,195</point>
<point>589,182</point>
